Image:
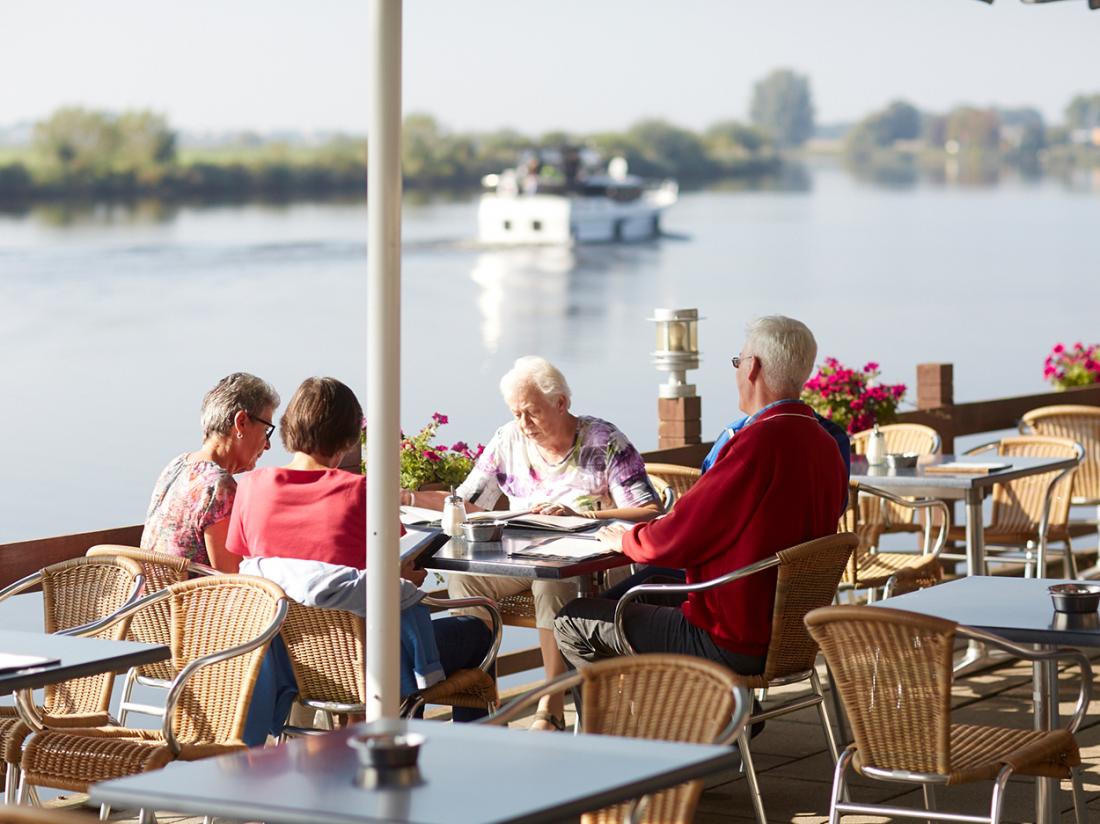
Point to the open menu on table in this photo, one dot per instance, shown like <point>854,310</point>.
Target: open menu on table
<point>529,520</point>
<point>964,468</point>
<point>568,548</point>
<point>17,663</point>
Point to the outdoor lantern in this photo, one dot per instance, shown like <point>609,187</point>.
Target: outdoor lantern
<point>677,349</point>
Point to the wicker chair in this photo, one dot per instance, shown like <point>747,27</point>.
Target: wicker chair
<point>892,573</point>
<point>76,594</point>
<point>151,625</point>
<point>1080,424</point>
<point>660,697</point>
<point>893,672</point>
<point>889,516</point>
<point>1030,512</point>
<point>221,627</point>
<point>327,653</point>
<point>808,576</point>
<point>671,481</point>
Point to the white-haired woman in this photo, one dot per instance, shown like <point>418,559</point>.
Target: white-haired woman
<point>551,461</point>
<point>193,497</point>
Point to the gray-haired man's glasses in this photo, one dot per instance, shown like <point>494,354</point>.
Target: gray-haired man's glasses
<point>737,360</point>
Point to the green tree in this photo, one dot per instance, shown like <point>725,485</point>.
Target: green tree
<point>974,129</point>
<point>882,129</point>
<point>145,145</point>
<point>1083,112</point>
<point>668,150</point>
<point>782,104</point>
<point>76,143</point>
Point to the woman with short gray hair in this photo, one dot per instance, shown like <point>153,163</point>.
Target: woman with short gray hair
<point>193,497</point>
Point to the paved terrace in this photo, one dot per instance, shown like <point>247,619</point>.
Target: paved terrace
<point>796,771</point>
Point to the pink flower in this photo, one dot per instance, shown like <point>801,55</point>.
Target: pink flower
<point>870,366</point>
<point>431,456</point>
<point>439,418</point>
<point>1059,348</point>
<point>460,446</point>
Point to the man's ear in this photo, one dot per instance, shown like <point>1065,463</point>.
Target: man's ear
<point>754,370</point>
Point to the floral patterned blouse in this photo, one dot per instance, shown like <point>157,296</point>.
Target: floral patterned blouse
<point>188,498</point>
<point>602,471</point>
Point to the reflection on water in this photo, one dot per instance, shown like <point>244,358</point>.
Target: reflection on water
<point>115,319</point>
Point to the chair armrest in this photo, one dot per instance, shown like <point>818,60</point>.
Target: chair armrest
<point>26,582</point>
<point>178,683</point>
<point>490,658</point>
<point>702,586</point>
<point>916,504</point>
<point>1077,657</point>
<point>195,568</point>
<point>514,708</point>
<point>985,447</point>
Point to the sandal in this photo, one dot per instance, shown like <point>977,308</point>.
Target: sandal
<point>548,718</point>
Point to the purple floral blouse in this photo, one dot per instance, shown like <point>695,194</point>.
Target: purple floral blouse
<point>188,498</point>
<point>602,471</point>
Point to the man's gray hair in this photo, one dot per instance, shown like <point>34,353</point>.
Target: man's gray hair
<point>786,349</point>
<point>531,370</point>
<point>232,394</point>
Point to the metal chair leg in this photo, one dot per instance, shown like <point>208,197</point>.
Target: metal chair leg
<point>826,725</point>
<point>11,783</point>
<point>1071,561</point>
<point>929,793</point>
<point>839,788</point>
<point>146,816</point>
<point>999,795</point>
<point>1079,813</point>
<point>104,812</point>
<point>750,774</point>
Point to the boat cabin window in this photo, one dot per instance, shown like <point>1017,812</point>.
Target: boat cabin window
<point>507,225</point>
<point>536,225</point>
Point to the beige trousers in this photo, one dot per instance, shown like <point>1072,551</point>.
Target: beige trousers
<point>550,596</point>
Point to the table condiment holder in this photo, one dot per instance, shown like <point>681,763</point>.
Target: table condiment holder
<point>1075,598</point>
<point>387,760</point>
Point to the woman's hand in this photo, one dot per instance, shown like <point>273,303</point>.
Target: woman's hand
<point>413,575</point>
<point>611,536</point>
<point>547,508</point>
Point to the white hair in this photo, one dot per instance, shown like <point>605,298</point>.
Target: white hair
<point>531,370</point>
<point>786,349</point>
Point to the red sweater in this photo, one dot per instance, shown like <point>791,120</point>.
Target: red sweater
<point>780,481</point>
<point>313,514</point>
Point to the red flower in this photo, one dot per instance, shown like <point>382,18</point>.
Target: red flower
<point>439,418</point>
<point>432,456</point>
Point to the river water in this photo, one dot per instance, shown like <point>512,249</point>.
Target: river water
<point>114,321</point>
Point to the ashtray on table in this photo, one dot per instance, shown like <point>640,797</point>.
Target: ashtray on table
<point>387,759</point>
<point>1077,598</point>
<point>901,460</point>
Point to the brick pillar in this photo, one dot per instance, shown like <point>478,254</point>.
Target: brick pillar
<point>679,422</point>
<point>935,385</point>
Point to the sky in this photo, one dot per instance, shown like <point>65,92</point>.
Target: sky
<point>580,65</point>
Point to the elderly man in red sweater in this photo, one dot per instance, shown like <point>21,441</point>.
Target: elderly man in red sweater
<point>778,482</point>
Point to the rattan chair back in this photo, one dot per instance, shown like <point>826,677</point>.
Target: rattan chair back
<point>151,625</point>
<point>326,649</point>
<point>809,575</point>
<point>662,697</point>
<point>1077,423</point>
<point>679,478</point>
<point>12,814</point>
<point>900,437</point>
<point>210,615</point>
<point>77,592</point>
<point>892,670</point>
<point>1018,504</point>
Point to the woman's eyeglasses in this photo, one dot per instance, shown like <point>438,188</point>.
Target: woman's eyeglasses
<point>270,426</point>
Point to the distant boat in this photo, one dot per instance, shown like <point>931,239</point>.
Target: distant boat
<point>538,204</point>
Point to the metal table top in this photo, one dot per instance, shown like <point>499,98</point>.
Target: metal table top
<point>1018,609</point>
<point>915,481</point>
<point>472,774</point>
<point>78,656</point>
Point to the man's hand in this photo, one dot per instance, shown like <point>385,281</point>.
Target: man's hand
<point>412,574</point>
<point>547,508</point>
<point>611,536</point>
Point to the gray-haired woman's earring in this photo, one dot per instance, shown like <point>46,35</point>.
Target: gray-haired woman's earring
<point>240,435</point>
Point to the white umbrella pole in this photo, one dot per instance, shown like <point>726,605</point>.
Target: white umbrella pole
<point>383,357</point>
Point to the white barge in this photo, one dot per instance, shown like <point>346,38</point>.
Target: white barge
<point>531,207</point>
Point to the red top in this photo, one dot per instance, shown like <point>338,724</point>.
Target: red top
<point>312,514</point>
<point>780,481</point>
